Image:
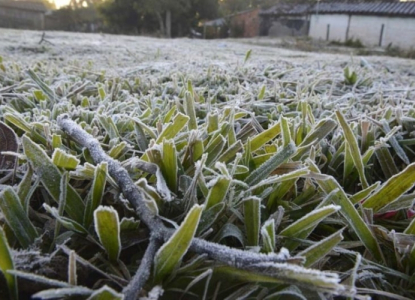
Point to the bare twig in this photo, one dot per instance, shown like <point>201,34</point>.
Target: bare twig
<point>43,39</point>
<point>220,253</point>
<point>143,273</point>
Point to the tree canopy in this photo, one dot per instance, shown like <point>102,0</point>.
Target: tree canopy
<point>170,18</point>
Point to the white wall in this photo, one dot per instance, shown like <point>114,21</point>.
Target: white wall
<point>338,27</point>
<point>398,31</point>
<point>367,29</point>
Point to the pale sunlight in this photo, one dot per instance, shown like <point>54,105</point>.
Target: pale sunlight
<point>61,3</point>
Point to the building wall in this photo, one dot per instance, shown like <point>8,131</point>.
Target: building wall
<point>332,26</point>
<point>18,18</point>
<point>368,29</point>
<point>247,22</point>
<point>396,31</point>
<point>284,26</point>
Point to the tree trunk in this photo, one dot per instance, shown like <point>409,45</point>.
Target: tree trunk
<point>161,24</point>
<point>168,23</point>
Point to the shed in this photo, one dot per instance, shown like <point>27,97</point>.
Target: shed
<point>22,14</point>
<point>242,24</point>
<point>286,19</point>
<point>373,23</point>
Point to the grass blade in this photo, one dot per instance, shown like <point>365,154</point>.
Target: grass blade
<point>392,189</point>
<point>271,164</point>
<point>171,253</point>
<point>16,217</point>
<point>6,264</point>
<point>169,166</point>
<point>321,248</point>
<point>173,128</point>
<point>351,215</point>
<point>218,191</point>
<point>189,105</point>
<point>354,148</point>
<point>98,188</point>
<point>107,227</point>
<point>64,160</point>
<point>252,217</point>
<point>105,293</point>
<point>304,226</point>
<point>50,177</point>
<point>264,137</point>
<point>268,236</point>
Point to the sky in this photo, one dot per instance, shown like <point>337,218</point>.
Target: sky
<point>60,3</point>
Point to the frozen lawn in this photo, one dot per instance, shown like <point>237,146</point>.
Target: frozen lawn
<point>133,55</point>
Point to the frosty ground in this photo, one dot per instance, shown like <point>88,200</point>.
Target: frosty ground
<point>100,78</point>
<point>119,55</point>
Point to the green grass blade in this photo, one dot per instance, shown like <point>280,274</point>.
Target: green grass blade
<point>329,185</point>
<point>318,132</point>
<point>209,216</point>
<point>25,185</point>
<point>63,160</point>
<point>218,191</point>
<point>264,137</point>
<point>109,126</point>
<point>281,178</point>
<point>411,227</point>
<point>16,217</point>
<point>66,222</point>
<point>285,273</point>
<point>50,177</point>
<point>97,192</point>
<point>118,150</point>
<point>252,218</point>
<point>171,253</point>
<point>321,248</point>
<point>6,264</point>
<point>354,148</point>
<point>247,55</point>
<point>173,128</point>
<point>105,293</point>
<point>359,196</point>
<point>230,153</point>
<point>386,162</point>
<point>214,150</point>
<point>394,142</point>
<point>304,226</point>
<point>189,105</point>
<point>285,131</point>
<point>262,92</point>
<point>271,164</point>
<point>169,166</point>
<point>107,227</point>
<point>43,86</point>
<point>268,236</point>
<point>392,189</point>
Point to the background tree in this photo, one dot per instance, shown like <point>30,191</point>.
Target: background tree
<point>173,17</point>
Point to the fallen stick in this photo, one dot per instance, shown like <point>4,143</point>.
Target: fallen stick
<point>159,232</point>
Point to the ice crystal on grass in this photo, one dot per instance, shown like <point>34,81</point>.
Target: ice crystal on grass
<point>182,123</point>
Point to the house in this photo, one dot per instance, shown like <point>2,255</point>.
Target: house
<point>374,24</point>
<point>245,23</point>
<point>242,24</point>
<point>285,19</point>
<point>22,14</point>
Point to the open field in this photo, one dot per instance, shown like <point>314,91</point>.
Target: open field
<point>300,162</point>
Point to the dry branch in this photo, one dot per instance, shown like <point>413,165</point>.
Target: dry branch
<point>220,253</point>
